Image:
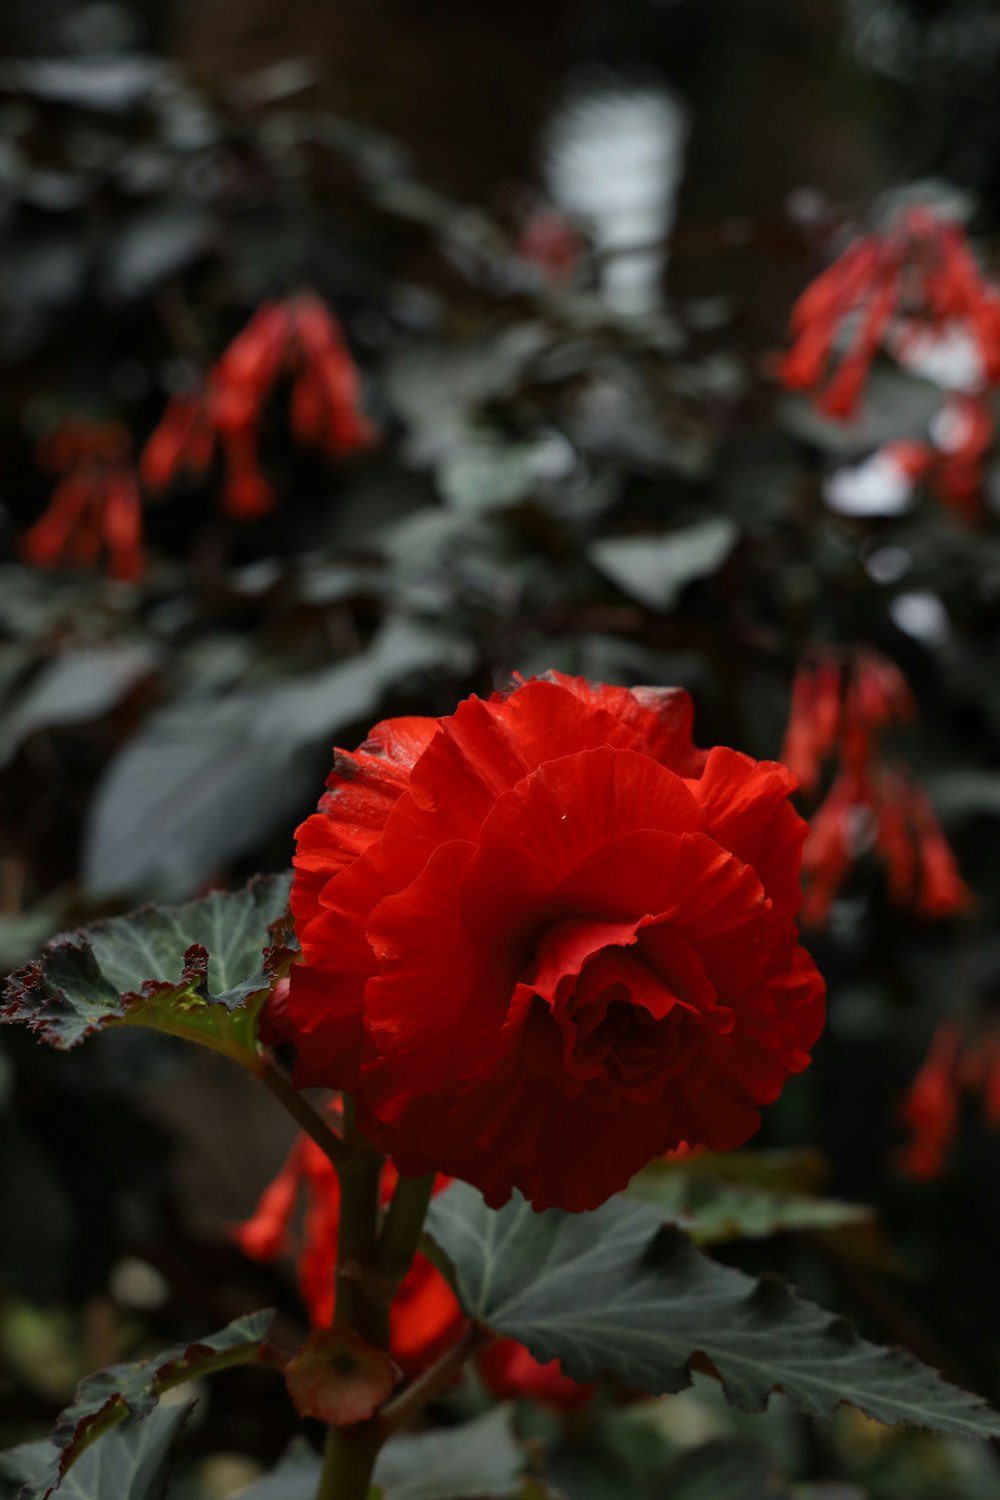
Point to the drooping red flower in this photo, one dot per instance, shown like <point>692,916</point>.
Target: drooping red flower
<point>425,1316</point>
<point>916,277</point>
<point>841,712</point>
<point>547,939</point>
<point>297,340</point>
<point>95,510</point>
<point>931,1106</point>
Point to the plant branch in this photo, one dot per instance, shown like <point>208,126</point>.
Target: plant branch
<point>339,1151</point>
<point>435,1380</point>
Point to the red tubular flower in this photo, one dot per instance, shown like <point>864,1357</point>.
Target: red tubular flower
<point>184,440</point>
<point>95,508</point>
<point>425,1316</point>
<point>547,939</point>
<point>297,340</point>
<point>918,274</point>
<point>942,891</point>
<point>830,852</point>
<point>813,722</point>
<point>509,1370</point>
<point>930,1108</point>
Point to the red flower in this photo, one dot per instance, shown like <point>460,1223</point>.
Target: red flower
<point>509,1370</point>
<point>930,1108</point>
<point>95,508</point>
<point>919,271</point>
<point>546,939</point>
<point>297,339</point>
<point>871,804</point>
<point>425,1316</point>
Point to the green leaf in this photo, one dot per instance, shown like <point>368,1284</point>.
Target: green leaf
<point>295,1477</point>
<point>107,1398</point>
<point>77,686</point>
<point>617,1292</point>
<point>712,1209</point>
<point>199,971</point>
<point>726,1469</point>
<point>478,1458</point>
<point>205,780</point>
<point>131,1463</point>
<point>655,569</point>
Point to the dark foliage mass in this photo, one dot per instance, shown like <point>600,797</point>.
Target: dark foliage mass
<point>353,364</point>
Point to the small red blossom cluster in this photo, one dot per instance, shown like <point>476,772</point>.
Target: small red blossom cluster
<point>95,512</point>
<point>546,939</point>
<point>425,1317</point>
<point>296,340</point>
<point>841,710</point>
<point>932,1104</point>
<point>951,460</point>
<point>916,279</point>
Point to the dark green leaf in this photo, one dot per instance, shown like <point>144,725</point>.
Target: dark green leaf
<point>204,781</point>
<point>130,1463</point>
<point>727,1469</point>
<point>655,569</point>
<point>478,1458</point>
<point>615,1292</point>
<point>111,1395</point>
<point>74,687</point>
<point>200,971</point>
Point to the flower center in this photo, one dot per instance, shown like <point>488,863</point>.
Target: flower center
<point>616,1013</point>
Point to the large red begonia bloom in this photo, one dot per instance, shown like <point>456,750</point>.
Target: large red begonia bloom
<point>546,939</point>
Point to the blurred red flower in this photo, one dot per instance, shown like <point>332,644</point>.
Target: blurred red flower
<point>917,276</point>
<point>95,510</point>
<point>841,711</point>
<point>296,340</point>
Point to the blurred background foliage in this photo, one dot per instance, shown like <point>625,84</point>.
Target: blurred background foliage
<point>560,243</point>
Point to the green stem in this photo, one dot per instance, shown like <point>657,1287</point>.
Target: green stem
<point>370,1265</point>
<point>348,1462</point>
<point>403,1222</point>
<point>339,1151</point>
<point>435,1380</point>
<point>361,1305</point>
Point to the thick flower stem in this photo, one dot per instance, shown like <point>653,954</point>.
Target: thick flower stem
<point>361,1305</point>
<point>403,1222</point>
<point>348,1461</point>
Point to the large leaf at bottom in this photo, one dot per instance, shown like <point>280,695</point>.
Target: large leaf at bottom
<point>478,1458</point>
<point>198,970</point>
<point>131,1463</point>
<point>109,1397</point>
<point>617,1292</point>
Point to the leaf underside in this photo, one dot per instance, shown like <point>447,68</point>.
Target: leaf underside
<point>130,1463</point>
<point>615,1292</point>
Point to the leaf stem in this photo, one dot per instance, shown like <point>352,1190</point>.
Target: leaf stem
<point>340,1151</point>
<point>435,1380</point>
